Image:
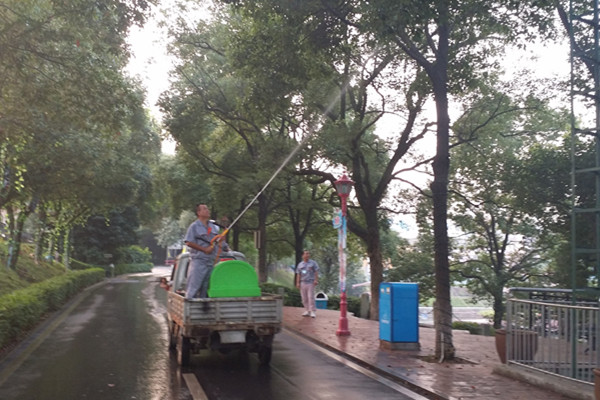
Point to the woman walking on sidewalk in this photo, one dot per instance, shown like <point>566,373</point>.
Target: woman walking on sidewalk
<point>307,277</point>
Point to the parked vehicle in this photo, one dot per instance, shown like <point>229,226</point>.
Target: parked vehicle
<point>235,315</point>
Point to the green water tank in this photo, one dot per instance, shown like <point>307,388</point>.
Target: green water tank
<point>233,278</point>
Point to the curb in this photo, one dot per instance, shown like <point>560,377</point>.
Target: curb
<point>427,392</point>
<point>561,385</point>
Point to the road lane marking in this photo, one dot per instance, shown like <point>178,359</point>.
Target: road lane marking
<point>194,386</point>
<point>387,382</point>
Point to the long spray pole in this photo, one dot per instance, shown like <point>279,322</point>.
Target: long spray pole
<point>283,164</point>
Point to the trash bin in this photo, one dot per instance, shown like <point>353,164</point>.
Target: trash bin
<point>321,300</point>
<point>399,315</point>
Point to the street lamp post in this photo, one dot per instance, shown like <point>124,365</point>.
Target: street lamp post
<point>343,187</point>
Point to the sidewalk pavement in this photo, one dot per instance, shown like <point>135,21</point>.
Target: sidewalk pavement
<point>480,375</point>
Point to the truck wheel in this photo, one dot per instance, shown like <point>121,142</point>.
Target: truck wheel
<point>183,351</point>
<point>264,355</point>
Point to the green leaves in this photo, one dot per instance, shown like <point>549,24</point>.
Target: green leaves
<point>509,182</point>
<point>75,135</point>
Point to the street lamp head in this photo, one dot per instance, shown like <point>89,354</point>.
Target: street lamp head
<point>344,185</point>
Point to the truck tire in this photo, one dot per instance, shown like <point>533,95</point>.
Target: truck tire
<point>183,351</point>
<point>264,355</point>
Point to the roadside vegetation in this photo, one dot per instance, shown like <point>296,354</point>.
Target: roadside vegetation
<point>35,289</point>
<point>29,293</point>
<point>27,271</point>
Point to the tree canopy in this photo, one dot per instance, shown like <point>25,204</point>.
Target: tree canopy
<point>76,139</point>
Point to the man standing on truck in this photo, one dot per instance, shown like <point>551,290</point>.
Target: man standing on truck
<point>202,252</point>
<point>307,277</point>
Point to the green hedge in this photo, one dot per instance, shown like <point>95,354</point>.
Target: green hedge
<point>77,265</point>
<point>474,328</point>
<point>353,306</point>
<point>121,269</point>
<point>22,310</point>
<point>133,255</point>
<point>292,298</point>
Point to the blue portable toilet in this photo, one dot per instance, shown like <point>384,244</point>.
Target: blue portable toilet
<point>399,316</point>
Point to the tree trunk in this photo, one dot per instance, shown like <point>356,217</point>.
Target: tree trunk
<point>40,234</point>
<point>67,248</point>
<point>10,222</point>
<point>438,73</point>
<point>498,310</point>
<point>15,239</point>
<point>375,259</point>
<point>299,249</point>
<point>235,245</point>
<point>51,243</point>
<point>444,347</point>
<point>376,264</point>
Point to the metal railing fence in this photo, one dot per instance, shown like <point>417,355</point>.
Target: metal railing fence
<point>557,335</point>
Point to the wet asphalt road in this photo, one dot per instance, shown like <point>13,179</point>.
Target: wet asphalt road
<point>298,370</point>
<point>111,343</point>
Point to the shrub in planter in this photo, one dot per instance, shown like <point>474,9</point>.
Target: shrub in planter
<point>473,327</point>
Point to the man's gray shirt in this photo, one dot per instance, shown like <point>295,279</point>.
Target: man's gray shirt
<point>307,271</point>
<point>201,235</point>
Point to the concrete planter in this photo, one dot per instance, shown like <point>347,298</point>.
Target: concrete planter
<point>524,344</point>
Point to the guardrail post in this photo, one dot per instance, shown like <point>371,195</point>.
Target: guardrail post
<point>597,336</point>
<point>573,334</point>
<point>509,323</point>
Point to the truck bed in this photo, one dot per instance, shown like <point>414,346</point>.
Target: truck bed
<point>218,314</point>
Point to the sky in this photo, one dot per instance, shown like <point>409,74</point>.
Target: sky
<point>151,63</point>
<point>150,60</point>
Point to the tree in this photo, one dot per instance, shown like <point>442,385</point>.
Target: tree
<point>412,262</point>
<point>443,49</point>
<point>228,131</point>
<point>306,210</point>
<point>452,42</point>
<point>343,89</point>
<point>99,239</point>
<point>64,96</point>
<point>550,181</point>
<point>506,237</point>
